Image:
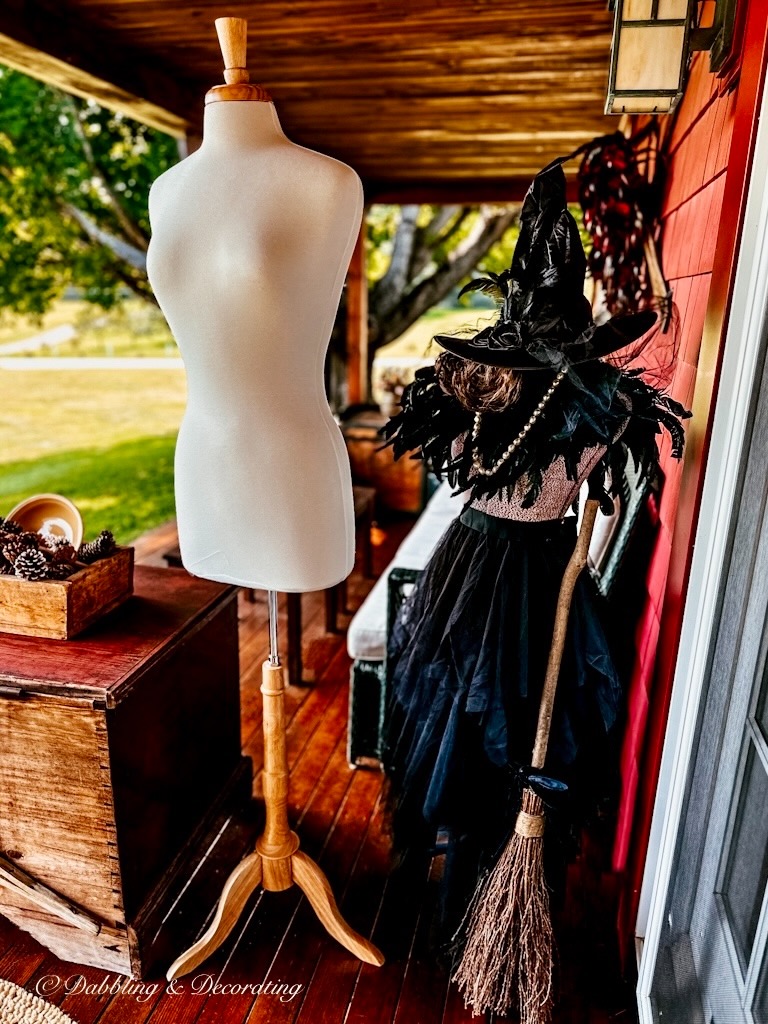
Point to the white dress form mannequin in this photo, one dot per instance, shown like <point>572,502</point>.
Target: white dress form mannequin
<point>251,240</point>
<point>252,237</point>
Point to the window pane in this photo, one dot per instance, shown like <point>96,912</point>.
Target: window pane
<point>747,868</point>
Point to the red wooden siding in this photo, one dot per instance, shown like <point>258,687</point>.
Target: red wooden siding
<point>701,217</point>
<point>698,156</point>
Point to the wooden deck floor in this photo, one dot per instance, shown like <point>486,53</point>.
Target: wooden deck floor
<point>337,814</point>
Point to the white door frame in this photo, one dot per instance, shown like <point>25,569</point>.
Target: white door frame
<point>748,309</point>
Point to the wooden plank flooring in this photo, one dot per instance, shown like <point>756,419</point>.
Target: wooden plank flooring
<point>337,814</point>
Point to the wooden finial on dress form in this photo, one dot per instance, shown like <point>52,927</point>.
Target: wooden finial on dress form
<point>232,33</point>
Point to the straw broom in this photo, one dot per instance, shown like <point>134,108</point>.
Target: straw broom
<point>508,953</point>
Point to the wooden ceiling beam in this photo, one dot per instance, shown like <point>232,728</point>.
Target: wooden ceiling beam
<point>57,50</point>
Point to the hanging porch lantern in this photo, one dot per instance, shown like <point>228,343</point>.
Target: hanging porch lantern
<point>649,55</point>
<point>652,42</point>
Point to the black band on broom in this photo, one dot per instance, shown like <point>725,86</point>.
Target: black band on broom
<point>508,953</point>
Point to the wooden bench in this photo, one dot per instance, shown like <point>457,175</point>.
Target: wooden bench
<point>367,634</point>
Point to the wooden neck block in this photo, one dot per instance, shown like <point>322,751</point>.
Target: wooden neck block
<point>233,36</point>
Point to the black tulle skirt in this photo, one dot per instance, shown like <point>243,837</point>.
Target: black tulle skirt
<point>466,664</point>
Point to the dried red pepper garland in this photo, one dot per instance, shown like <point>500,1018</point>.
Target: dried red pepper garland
<point>621,207</point>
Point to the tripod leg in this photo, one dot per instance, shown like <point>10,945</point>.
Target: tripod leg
<point>244,879</point>
<point>313,883</point>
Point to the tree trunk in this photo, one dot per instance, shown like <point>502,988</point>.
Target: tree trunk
<point>388,319</point>
<point>387,293</point>
<point>124,251</point>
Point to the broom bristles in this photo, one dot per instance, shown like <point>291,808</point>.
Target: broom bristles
<point>507,958</point>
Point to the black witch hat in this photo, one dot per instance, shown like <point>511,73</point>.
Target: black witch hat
<point>545,320</point>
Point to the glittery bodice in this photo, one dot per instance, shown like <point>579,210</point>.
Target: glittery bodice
<point>558,492</point>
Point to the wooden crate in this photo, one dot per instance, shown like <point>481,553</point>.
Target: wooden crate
<point>61,609</point>
<point>399,485</point>
<point>120,765</point>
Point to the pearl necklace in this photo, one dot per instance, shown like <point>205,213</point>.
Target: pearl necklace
<point>512,447</point>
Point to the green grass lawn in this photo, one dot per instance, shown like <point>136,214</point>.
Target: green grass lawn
<point>104,438</point>
<point>126,488</point>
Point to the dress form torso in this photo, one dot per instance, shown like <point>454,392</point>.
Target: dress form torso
<point>251,239</point>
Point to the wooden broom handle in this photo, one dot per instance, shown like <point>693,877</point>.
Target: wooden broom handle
<point>573,569</point>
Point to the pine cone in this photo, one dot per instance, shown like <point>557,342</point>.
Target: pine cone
<point>14,546</point>
<point>10,526</point>
<point>106,543</point>
<point>103,546</point>
<point>18,542</point>
<point>53,541</point>
<point>63,553</point>
<point>88,552</point>
<point>60,570</point>
<point>31,564</point>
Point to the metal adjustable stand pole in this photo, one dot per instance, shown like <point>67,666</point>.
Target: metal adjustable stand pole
<point>274,654</point>
<point>277,862</point>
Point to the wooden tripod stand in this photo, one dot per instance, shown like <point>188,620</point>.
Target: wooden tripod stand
<point>277,862</point>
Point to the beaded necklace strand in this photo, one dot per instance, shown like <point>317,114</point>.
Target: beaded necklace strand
<point>512,447</point>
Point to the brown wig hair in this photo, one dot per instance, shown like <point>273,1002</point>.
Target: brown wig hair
<point>479,388</point>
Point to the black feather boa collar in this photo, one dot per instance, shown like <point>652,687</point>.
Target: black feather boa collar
<point>599,406</point>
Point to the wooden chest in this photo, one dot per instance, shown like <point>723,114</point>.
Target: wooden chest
<point>119,759</point>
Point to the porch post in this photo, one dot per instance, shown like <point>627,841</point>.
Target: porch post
<point>357,323</point>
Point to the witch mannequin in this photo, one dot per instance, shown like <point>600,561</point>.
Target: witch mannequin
<point>251,239</point>
<point>519,416</point>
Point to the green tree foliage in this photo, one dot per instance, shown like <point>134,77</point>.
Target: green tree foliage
<point>74,179</point>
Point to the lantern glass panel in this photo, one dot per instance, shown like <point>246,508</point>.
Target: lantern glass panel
<point>637,10</point>
<point>649,58</point>
<point>672,10</point>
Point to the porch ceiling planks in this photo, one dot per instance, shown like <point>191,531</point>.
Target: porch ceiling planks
<point>471,94</point>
